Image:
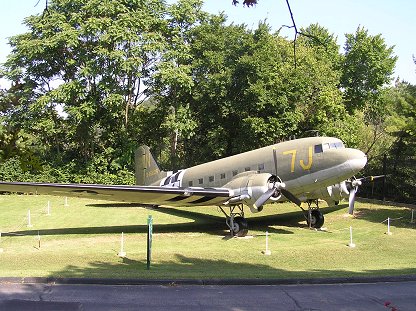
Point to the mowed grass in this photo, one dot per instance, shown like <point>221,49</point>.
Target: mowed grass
<point>83,239</point>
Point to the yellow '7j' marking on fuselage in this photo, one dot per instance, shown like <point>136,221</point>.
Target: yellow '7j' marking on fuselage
<point>301,162</point>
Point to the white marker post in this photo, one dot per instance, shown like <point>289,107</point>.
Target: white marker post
<point>66,201</point>
<point>29,223</point>
<point>412,220</point>
<point>351,243</point>
<point>48,211</point>
<point>267,251</point>
<point>388,227</point>
<point>122,253</point>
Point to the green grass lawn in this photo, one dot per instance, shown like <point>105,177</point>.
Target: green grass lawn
<point>83,239</point>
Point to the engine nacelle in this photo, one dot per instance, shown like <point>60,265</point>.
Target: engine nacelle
<point>332,194</point>
<point>250,186</point>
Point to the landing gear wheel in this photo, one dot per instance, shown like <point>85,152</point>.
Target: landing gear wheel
<point>240,227</point>
<point>235,220</point>
<point>317,219</point>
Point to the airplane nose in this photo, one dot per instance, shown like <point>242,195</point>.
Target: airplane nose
<point>357,160</point>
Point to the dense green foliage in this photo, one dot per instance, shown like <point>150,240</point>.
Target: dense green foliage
<point>91,80</point>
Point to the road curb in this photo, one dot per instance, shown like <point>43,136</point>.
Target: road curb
<point>178,282</point>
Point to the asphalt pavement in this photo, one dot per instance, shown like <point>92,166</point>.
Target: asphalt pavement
<point>389,296</point>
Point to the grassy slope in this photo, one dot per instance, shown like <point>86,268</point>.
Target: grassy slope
<point>83,239</point>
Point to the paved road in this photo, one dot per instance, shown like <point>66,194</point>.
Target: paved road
<point>196,297</point>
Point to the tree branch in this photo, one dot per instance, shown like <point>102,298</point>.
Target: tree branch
<point>45,10</point>
<point>297,32</point>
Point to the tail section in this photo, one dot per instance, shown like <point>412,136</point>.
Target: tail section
<point>147,171</point>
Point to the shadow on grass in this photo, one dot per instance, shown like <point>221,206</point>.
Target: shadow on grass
<point>212,228</point>
<point>262,222</point>
<point>399,217</point>
<point>123,205</point>
<point>292,219</point>
<point>184,267</point>
<point>202,223</point>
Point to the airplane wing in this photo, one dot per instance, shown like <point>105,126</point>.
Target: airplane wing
<point>151,195</point>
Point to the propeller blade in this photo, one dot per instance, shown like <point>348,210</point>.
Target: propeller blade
<point>285,192</point>
<point>351,187</point>
<point>371,178</point>
<point>263,199</point>
<point>291,197</point>
<point>344,187</point>
<point>348,184</point>
<point>275,160</point>
<point>351,201</point>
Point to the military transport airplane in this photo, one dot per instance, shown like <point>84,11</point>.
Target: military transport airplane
<point>300,170</point>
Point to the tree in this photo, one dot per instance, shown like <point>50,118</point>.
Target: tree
<point>246,92</point>
<point>403,118</point>
<point>173,82</point>
<point>215,49</point>
<point>367,67</point>
<point>98,61</point>
<point>325,44</point>
<point>403,170</point>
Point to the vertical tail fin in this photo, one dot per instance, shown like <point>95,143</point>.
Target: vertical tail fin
<point>147,171</point>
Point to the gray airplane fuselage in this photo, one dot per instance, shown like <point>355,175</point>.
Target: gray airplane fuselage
<point>302,164</point>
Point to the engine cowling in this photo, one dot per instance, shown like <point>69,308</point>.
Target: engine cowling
<point>250,186</point>
<point>332,194</point>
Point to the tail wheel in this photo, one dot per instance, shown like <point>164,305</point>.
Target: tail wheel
<point>317,219</point>
<point>240,226</point>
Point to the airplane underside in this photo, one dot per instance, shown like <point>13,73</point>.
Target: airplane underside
<point>238,225</point>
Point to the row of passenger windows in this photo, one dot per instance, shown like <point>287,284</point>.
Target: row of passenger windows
<point>200,181</point>
<point>318,149</point>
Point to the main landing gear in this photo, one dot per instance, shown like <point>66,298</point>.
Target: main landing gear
<point>236,221</point>
<point>238,224</point>
<point>314,217</point>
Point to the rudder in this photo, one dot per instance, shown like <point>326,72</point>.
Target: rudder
<point>147,171</point>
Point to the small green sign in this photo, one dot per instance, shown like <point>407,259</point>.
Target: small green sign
<point>149,240</point>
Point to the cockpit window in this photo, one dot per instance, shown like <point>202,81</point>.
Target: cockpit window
<point>318,148</point>
<point>336,145</point>
<point>167,180</point>
<point>174,178</point>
